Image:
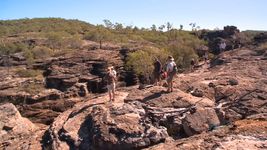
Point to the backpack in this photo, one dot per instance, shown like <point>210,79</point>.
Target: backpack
<point>110,78</point>
<point>175,69</point>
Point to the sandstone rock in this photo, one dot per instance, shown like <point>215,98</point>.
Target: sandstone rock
<point>233,82</point>
<point>246,135</point>
<point>197,93</point>
<point>11,120</point>
<point>45,111</point>
<point>49,94</point>
<point>200,121</point>
<point>120,126</point>
<point>18,56</point>
<point>17,132</point>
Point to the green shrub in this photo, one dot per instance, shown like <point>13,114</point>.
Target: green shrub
<point>10,48</point>
<point>183,47</point>
<point>263,46</point>
<point>56,40</point>
<point>41,52</point>
<point>28,73</point>
<point>182,54</point>
<point>29,57</point>
<point>32,88</point>
<point>74,42</point>
<point>100,34</point>
<point>43,25</point>
<point>142,61</point>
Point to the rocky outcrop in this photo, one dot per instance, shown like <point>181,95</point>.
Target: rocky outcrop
<point>220,106</point>
<point>98,124</point>
<point>87,67</point>
<point>13,60</point>
<point>66,80</point>
<point>237,85</point>
<point>11,120</point>
<point>17,132</point>
<point>246,134</point>
<point>261,38</point>
<point>135,120</point>
<point>232,37</point>
<point>201,120</point>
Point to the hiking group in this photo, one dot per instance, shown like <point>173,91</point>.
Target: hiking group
<point>167,72</point>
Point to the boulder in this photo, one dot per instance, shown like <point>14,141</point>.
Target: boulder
<point>230,35</point>
<point>233,81</point>
<point>11,120</point>
<point>200,121</point>
<point>197,93</point>
<point>17,132</point>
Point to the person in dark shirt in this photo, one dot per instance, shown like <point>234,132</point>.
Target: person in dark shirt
<point>157,71</point>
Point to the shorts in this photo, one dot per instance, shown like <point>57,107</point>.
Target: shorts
<point>111,87</point>
<point>170,78</point>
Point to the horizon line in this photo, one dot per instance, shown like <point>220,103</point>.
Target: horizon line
<point>132,24</point>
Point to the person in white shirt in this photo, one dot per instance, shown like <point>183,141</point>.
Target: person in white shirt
<point>170,73</point>
<point>222,46</point>
<point>111,82</point>
<point>114,73</point>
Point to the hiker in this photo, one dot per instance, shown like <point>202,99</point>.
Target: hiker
<point>206,57</point>
<point>157,71</point>
<point>111,85</point>
<point>222,46</point>
<point>192,64</point>
<point>171,71</point>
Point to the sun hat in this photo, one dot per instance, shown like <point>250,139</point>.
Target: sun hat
<point>170,58</point>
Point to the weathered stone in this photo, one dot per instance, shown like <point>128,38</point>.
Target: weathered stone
<point>117,126</point>
<point>200,121</point>
<point>17,132</point>
<point>197,93</point>
<point>233,82</point>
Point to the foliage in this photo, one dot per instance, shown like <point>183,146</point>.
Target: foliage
<point>99,34</point>
<point>10,48</point>
<point>41,52</point>
<point>55,40</point>
<point>183,47</point>
<point>182,54</point>
<point>74,42</point>
<point>29,57</point>
<point>28,73</point>
<point>263,46</point>
<point>62,35</point>
<point>43,25</point>
<point>141,61</point>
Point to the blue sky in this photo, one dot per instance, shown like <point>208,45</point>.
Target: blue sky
<point>245,14</point>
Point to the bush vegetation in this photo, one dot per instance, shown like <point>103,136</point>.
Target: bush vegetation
<point>62,35</point>
<point>263,46</point>
<point>141,61</point>
<point>28,73</point>
<point>32,88</point>
<point>42,52</point>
